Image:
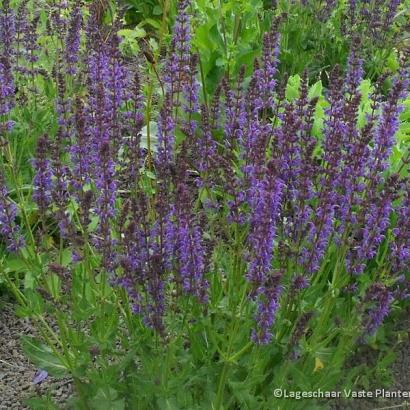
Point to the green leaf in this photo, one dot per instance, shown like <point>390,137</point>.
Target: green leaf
<point>149,174</point>
<point>29,280</point>
<point>168,404</point>
<point>66,257</point>
<point>106,399</point>
<point>220,62</point>
<point>43,357</point>
<point>104,328</point>
<point>54,285</point>
<point>365,89</point>
<point>157,10</point>
<point>83,310</point>
<point>392,62</point>
<point>126,33</point>
<point>316,90</point>
<point>292,88</point>
<point>35,303</point>
<point>14,264</point>
<point>154,23</point>
<point>41,403</point>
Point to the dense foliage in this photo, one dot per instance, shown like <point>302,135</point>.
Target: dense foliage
<point>193,230</point>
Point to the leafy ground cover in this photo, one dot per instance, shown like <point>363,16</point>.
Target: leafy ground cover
<point>201,202</point>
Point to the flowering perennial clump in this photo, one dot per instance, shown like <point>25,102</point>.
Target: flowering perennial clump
<point>256,201</point>
<point>292,200</point>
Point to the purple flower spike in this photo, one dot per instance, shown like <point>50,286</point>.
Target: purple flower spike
<point>7,29</point>
<point>43,178</point>
<point>30,41</point>
<point>9,231</point>
<point>268,305</point>
<point>73,41</point>
<point>265,200</point>
<point>400,245</point>
<point>6,86</point>
<point>355,71</point>
<point>380,299</point>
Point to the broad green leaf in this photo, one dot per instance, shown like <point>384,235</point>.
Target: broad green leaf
<point>14,264</point>
<point>29,280</point>
<point>128,34</point>
<point>154,23</point>
<point>292,88</point>
<point>43,357</point>
<point>365,89</point>
<point>54,285</point>
<point>316,90</point>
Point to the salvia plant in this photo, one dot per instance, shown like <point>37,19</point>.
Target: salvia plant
<point>321,33</point>
<point>184,252</point>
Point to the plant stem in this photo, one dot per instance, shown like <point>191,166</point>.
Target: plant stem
<point>235,278</point>
<point>221,386</point>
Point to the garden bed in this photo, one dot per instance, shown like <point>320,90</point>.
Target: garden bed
<point>203,203</point>
<point>17,374</point>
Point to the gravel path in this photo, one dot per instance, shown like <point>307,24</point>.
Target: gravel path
<point>16,372</point>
